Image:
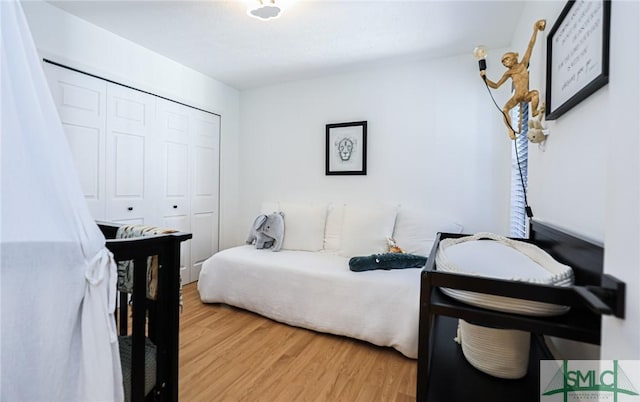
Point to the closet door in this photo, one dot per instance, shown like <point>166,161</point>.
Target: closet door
<point>143,160</point>
<point>81,103</point>
<point>205,134</point>
<point>174,203</point>
<point>129,166</point>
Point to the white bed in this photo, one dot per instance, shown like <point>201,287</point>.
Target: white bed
<point>316,290</point>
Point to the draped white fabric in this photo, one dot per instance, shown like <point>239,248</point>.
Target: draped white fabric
<point>57,282</point>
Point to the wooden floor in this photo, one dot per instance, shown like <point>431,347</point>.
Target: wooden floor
<point>228,354</point>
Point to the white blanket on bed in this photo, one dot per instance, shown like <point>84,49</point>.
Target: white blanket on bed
<point>317,291</point>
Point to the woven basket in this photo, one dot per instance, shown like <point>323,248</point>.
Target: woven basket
<point>502,353</point>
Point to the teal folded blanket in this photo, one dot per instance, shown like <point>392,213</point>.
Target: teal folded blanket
<point>386,261</point>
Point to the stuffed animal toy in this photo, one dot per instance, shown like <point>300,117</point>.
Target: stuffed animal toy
<point>267,231</point>
<point>536,132</point>
<point>386,261</point>
<point>393,246</point>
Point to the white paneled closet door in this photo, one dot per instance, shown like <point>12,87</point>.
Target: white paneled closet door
<point>175,203</point>
<point>130,124</point>
<point>205,134</point>
<point>81,103</point>
<point>143,159</point>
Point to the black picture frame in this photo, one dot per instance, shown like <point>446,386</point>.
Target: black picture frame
<point>346,148</point>
<point>577,55</point>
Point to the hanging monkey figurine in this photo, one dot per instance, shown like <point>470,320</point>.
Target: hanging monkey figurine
<point>519,74</point>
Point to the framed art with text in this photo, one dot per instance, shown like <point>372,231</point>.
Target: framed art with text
<point>577,55</point>
<point>346,149</point>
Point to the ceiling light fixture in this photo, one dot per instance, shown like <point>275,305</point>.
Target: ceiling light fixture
<point>264,9</point>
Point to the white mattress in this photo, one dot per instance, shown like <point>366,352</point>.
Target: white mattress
<point>317,291</point>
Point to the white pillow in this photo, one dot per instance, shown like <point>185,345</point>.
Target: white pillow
<point>303,225</point>
<point>416,230</point>
<point>333,228</point>
<point>365,229</point>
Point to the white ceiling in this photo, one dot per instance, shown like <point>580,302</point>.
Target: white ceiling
<point>311,38</point>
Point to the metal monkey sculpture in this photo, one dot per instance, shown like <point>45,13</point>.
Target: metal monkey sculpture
<point>519,74</point>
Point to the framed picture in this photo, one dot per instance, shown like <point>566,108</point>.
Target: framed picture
<point>346,149</point>
<point>577,55</point>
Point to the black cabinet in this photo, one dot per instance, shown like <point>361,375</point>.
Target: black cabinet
<point>444,375</point>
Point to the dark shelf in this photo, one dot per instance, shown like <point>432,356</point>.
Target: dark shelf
<point>577,324</point>
<point>457,380</point>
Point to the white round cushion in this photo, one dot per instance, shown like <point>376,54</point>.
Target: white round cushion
<point>502,258</point>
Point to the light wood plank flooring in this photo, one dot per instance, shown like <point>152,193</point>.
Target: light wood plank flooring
<point>228,354</point>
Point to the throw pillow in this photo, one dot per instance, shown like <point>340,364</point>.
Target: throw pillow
<point>365,229</point>
<point>333,228</point>
<point>303,225</point>
<point>416,229</point>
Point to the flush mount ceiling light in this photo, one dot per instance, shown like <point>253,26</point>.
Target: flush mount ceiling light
<point>264,9</point>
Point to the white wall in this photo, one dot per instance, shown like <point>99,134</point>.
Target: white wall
<point>435,140</point>
<point>562,177</point>
<point>621,338</point>
<point>69,40</point>
<point>586,180</point>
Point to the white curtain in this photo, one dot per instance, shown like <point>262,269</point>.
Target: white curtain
<point>58,340</point>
